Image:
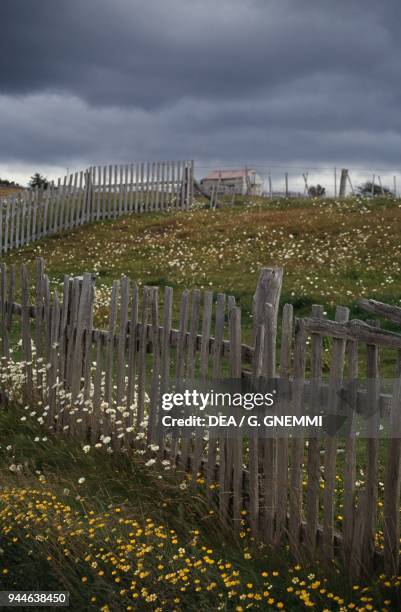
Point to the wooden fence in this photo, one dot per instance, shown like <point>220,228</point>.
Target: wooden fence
<point>95,194</point>
<point>106,385</point>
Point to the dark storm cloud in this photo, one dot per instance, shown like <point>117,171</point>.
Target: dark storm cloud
<point>286,80</point>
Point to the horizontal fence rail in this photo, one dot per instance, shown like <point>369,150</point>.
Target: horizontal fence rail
<point>106,384</point>
<point>99,193</point>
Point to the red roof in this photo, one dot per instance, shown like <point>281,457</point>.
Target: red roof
<point>227,174</point>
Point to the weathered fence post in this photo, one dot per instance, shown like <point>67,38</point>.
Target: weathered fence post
<point>268,291</point>
<point>88,196</point>
<point>343,182</point>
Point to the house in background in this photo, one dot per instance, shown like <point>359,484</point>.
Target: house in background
<point>233,182</point>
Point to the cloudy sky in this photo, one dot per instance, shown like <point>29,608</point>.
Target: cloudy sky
<point>273,83</point>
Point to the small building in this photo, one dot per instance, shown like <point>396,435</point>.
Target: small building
<point>233,182</point>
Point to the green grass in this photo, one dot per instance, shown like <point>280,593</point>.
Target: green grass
<point>332,252</point>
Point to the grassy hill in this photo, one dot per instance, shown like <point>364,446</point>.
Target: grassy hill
<point>332,251</point>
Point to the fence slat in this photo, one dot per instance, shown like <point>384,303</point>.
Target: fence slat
<point>313,466</point>
<point>142,357</point>
<point>282,443</point>
<point>330,457</point>
<point>372,424</point>
<point>165,358</point>
<point>235,373</point>
<point>122,340</point>
<point>297,447</point>
<point>154,394</point>
<point>216,371</point>
<point>350,453</point>
<point>392,483</point>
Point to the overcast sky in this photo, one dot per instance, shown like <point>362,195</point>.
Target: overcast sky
<point>295,83</point>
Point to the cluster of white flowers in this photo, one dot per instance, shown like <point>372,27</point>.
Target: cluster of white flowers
<point>77,416</point>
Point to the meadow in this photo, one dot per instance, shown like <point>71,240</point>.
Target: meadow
<point>333,252</point>
<point>121,533</point>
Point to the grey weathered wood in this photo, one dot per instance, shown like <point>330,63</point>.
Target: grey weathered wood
<point>350,453</point>
<point>53,415</point>
<point>387,311</point>
<point>103,195</point>
<point>26,334</point>
<point>3,311</point>
<point>183,325</point>
<point>98,192</point>
<point>17,228</point>
<point>59,207</point>
<point>268,446</point>
<point>254,506</point>
<point>110,344</point>
<point>282,443</point>
<point>372,424</point>
<point>87,360</point>
<point>80,199</point>
<point>235,372</point>
<point>178,187</point>
<point>203,372</point>
<point>142,358</point>
<point>121,192</point>
<point>193,333</point>
<point>330,457</point>
<point>110,192</point>
<point>163,187</point>
<point>7,226</point>
<point>63,322</point>
<point>268,290</point>
<point>97,394</point>
<point>154,393</point>
<point>295,488</point>
<point>132,349</point>
<point>121,351</point>
<point>168,191</point>
<point>73,202</point>
<point>142,191</point>
<point>313,465</point>
<point>165,357</point>
<point>137,188</point>
<point>115,198</point>
<point>392,484</point>
<point>180,363</point>
<point>81,326</point>
<point>131,188</point>
<point>147,196</point>
<point>182,187</point>
<point>125,207</point>
<point>10,296</point>
<point>216,370</point>
<point>190,370</point>
<point>12,223</point>
<point>354,330</point>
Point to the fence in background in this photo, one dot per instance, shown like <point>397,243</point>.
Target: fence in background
<point>273,181</point>
<point>101,384</point>
<point>95,194</point>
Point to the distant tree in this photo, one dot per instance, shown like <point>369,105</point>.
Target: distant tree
<point>317,191</point>
<point>366,189</point>
<point>37,180</point>
<point>6,182</point>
